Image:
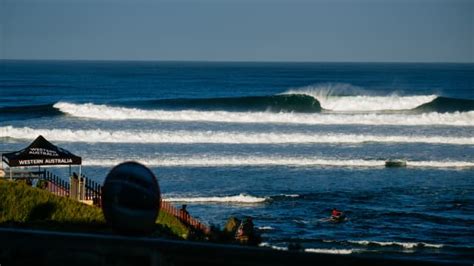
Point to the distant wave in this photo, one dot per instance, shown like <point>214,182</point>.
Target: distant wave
<point>218,137</point>
<point>272,161</point>
<point>241,198</point>
<point>406,245</point>
<point>105,112</point>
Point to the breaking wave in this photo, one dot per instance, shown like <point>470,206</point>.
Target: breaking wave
<point>105,112</point>
<point>319,104</point>
<point>347,98</point>
<point>330,251</point>
<point>268,245</point>
<point>241,198</point>
<point>405,245</point>
<point>330,99</point>
<point>312,250</point>
<point>208,161</point>
<point>218,137</point>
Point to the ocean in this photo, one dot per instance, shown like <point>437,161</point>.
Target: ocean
<point>283,143</point>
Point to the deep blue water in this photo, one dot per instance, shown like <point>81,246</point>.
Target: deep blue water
<point>281,142</point>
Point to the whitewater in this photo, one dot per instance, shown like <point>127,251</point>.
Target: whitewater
<point>105,112</point>
<point>214,161</point>
<point>223,137</point>
<point>330,99</point>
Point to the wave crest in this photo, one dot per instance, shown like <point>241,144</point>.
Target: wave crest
<point>330,251</point>
<point>219,137</point>
<point>105,112</point>
<point>210,161</point>
<point>406,245</point>
<point>241,198</point>
<point>335,97</point>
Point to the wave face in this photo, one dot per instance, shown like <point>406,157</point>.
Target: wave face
<point>208,161</point>
<point>105,112</point>
<point>28,111</point>
<point>300,103</point>
<point>314,101</point>
<point>218,137</point>
<point>445,105</point>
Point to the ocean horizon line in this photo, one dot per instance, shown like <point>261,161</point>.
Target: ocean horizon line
<point>233,61</point>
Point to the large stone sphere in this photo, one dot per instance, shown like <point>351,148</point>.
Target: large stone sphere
<point>131,198</point>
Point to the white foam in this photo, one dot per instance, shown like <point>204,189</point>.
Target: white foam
<point>313,250</point>
<point>291,195</point>
<point>205,161</point>
<point>329,251</point>
<point>265,244</point>
<point>265,228</point>
<point>441,164</point>
<point>406,245</point>
<point>104,112</point>
<point>220,137</point>
<point>329,100</point>
<point>241,198</point>
<point>238,161</point>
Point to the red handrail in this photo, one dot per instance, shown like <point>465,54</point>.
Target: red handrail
<point>94,191</point>
<point>184,217</point>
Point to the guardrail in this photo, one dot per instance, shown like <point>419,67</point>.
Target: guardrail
<point>183,216</point>
<point>56,185</point>
<point>93,191</point>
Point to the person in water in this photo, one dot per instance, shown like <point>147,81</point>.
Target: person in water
<point>336,213</point>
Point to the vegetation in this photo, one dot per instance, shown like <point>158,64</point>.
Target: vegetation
<point>24,206</point>
<point>168,222</point>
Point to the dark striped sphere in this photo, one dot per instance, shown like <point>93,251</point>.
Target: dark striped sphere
<point>131,198</point>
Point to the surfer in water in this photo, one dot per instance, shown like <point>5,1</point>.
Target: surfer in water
<point>337,215</point>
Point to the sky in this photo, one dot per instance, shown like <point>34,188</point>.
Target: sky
<point>231,30</point>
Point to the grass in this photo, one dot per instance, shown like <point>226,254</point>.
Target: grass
<point>27,207</point>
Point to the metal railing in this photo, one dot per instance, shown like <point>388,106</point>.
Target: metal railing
<point>93,191</point>
<point>55,184</point>
<point>183,216</point>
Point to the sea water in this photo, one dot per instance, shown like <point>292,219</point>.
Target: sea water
<point>283,143</point>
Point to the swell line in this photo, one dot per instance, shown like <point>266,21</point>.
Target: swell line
<point>105,112</point>
<point>218,137</point>
<point>302,161</point>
